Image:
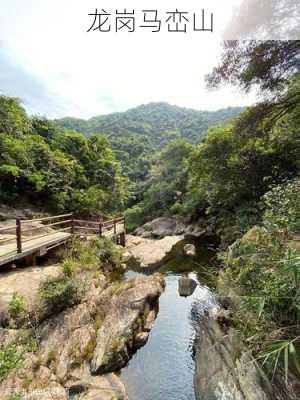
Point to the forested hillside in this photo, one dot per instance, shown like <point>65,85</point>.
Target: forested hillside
<point>224,177</point>
<point>137,134</point>
<point>56,170</point>
<point>159,122</point>
<point>62,169</point>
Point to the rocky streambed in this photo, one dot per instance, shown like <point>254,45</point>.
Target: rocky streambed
<point>164,368</point>
<point>192,352</point>
<point>153,335</point>
<point>82,347</point>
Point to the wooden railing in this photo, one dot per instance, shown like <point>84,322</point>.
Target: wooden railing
<point>58,223</point>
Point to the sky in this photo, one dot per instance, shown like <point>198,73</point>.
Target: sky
<point>57,68</point>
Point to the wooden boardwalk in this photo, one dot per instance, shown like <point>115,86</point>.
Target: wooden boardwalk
<point>17,244</point>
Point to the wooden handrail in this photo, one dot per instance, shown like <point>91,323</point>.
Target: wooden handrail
<point>67,221</point>
<point>7,240</point>
<point>101,228</point>
<point>9,227</point>
<point>112,220</point>
<point>72,225</point>
<point>120,219</point>
<point>86,228</point>
<point>25,221</point>
<point>107,226</point>
<point>86,222</point>
<point>35,228</point>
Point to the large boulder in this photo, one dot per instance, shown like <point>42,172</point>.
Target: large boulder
<point>186,286</point>
<point>87,387</point>
<point>126,327</point>
<point>26,283</point>
<point>97,335</point>
<point>223,370</point>
<point>150,252</point>
<point>161,227</point>
<point>167,226</point>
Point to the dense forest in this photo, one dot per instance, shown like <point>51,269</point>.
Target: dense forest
<point>137,134</point>
<point>56,170</point>
<point>233,169</point>
<point>100,169</point>
<point>159,122</point>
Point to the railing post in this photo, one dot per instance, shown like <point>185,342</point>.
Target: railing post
<point>124,236</point>
<point>115,227</point>
<point>19,235</point>
<point>100,229</point>
<point>72,224</point>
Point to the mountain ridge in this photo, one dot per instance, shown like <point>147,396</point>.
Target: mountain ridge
<point>153,120</point>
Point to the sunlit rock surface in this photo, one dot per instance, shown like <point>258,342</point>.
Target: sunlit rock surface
<point>149,252</point>
<point>126,327</point>
<point>80,345</point>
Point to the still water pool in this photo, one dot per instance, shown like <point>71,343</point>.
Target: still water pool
<point>164,368</point>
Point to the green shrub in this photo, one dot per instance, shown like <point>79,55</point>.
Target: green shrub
<point>57,169</point>
<point>135,216</point>
<point>60,293</point>
<point>17,306</point>
<point>108,253</point>
<point>11,355</point>
<point>283,207</point>
<point>88,258</point>
<point>68,266</point>
<point>267,272</point>
<point>92,255</point>
<point>15,396</point>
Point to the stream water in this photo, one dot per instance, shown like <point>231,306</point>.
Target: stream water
<point>164,368</point>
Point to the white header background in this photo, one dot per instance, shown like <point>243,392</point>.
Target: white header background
<point>49,60</point>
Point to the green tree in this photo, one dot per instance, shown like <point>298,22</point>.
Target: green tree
<point>59,170</point>
<point>268,64</point>
<point>13,118</point>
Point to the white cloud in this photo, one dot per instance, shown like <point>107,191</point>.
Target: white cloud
<point>95,73</point>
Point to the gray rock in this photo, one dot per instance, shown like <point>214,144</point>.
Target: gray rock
<point>150,252</point>
<point>223,371</point>
<point>26,282</point>
<point>167,226</point>
<point>195,231</point>
<point>126,256</point>
<point>88,387</point>
<point>186,286</point>
<point>189,250</point>
<point>4,315</point>
<point>124,327</point>
<point>161,227</point>
<point>7,336</point>
<point>141,339</point>
<point>110,323</point>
